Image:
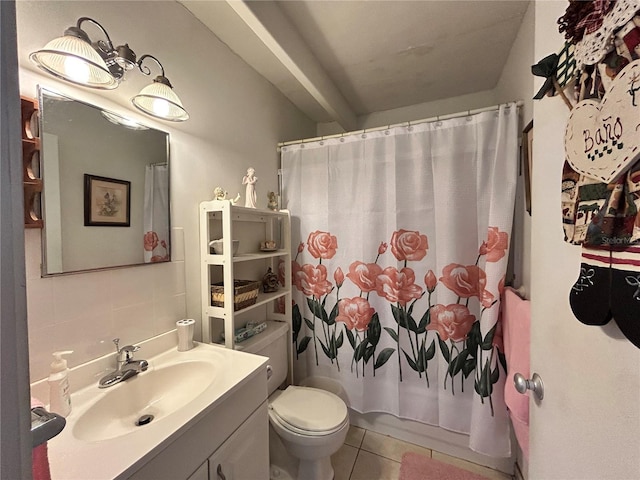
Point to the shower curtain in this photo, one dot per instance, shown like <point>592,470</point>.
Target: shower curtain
<point>156,218</point>
<point>402,242</point>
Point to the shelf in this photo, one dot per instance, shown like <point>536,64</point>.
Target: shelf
<point>263,298</point>
<point>219,219</point>
<point>244,257</point>
<point>31,167</point>
<point>241,214</point>
<point>256,342</point>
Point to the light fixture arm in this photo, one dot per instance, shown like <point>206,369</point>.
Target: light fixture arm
<point>144,69</point>
<point>105,47</point>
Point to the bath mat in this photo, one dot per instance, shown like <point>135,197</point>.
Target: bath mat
<point>419,467</point>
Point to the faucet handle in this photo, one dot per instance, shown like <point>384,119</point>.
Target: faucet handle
<point>127,351</point>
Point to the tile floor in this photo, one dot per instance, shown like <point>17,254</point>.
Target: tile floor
<point>368,455</point>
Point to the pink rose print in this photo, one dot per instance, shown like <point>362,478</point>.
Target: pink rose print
<point>398,286</point>
<point>281,273</point>
<point>451,321</point>
<point>487,299</point>
<point>150,241</point>
<point>355,313</point>
<point>495,246</point>
<point>364,275</point>
<point>409,245</point>
<point>301,247</point>
<point>338,276</point>
<point>295,279</point>
<point>279,308</point>
<point>313,280</point>
<point>501,286</point>
<point>322,245</point>
<point>430,281</point>
<point>464,281</point>
<point>382,248</point>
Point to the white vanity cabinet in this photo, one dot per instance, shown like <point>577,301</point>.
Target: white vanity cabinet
<point>233,434</point>
<point>243,456</point>
<point>219,219</point>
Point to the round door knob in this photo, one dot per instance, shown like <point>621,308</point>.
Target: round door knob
<point>534,384</point>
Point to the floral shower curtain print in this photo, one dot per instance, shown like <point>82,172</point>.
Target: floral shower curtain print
<point>155,238</point>
<point>403,238</point>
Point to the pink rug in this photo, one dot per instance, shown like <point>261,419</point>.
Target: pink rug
<point>419,467</point>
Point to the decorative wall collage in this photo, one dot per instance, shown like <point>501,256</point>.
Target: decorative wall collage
<point>597,74</point>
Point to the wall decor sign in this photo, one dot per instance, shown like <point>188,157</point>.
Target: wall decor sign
<point>602,140</point>
<point>107,202</point>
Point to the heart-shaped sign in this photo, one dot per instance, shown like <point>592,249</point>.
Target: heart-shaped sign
<point>602,140</point>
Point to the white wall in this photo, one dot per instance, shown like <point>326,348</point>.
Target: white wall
<point>411,113</point>
<point>245,118</point>
<point>587,426</point>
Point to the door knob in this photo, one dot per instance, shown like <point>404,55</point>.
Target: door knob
<point>534,384</point>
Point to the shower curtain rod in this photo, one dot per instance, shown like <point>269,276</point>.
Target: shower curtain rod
<point>437,118</point>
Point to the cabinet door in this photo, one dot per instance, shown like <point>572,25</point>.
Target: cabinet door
<point>245,454</point>
<point>202,473</point>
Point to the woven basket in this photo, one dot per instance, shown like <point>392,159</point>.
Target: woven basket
<point>245,293</point>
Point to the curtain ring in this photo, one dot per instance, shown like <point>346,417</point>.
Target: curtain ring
<point>364,133</point>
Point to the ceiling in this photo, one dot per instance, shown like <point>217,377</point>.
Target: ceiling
<point>337,60</point>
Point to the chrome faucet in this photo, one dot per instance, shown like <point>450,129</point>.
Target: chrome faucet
<point>126,366</point>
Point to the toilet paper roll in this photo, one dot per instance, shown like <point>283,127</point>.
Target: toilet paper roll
<point>185,334</point>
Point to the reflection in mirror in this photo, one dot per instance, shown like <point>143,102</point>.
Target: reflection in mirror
<point>128,209</point>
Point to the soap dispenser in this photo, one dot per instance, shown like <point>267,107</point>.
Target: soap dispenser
<point>59,391</point>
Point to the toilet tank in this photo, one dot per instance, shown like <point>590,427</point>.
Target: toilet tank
<point>272,343</point>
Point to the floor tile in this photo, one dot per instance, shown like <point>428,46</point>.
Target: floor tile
<point>472,467</point>
<point>370,466</point>
<point>343,461</point>
<point>355,436</point>
<point>390,447</point>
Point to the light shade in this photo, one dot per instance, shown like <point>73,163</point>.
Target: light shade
<point>75,60</point>
<point>159,100</point>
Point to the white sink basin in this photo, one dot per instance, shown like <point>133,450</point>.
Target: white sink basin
<point>159,392</point>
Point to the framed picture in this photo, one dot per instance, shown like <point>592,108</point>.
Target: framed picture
<point>106,202</point>
<point>527,162</point>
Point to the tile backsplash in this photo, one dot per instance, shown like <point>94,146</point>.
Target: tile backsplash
<point>84,312</point>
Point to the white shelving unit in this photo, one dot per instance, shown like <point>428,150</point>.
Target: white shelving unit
<point>219,219</point>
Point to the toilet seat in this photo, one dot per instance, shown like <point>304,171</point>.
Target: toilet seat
<point>309,411</point>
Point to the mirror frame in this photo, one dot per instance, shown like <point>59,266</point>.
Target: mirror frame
<point>42,91</point>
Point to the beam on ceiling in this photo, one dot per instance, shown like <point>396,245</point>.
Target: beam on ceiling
<point>278,34</point>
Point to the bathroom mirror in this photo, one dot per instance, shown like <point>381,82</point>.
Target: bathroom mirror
<point>105,200</point>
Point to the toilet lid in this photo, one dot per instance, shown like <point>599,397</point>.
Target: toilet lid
<point>309,409</point>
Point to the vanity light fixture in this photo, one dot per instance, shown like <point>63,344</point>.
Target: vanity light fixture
<point>76,59</point>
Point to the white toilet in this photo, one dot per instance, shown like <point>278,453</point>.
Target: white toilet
<point>311,424</point>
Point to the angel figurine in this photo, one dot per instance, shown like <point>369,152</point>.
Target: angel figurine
<point>220,194</point>
<point>250,181</point>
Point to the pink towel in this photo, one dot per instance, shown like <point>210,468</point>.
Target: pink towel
<point>516,323</point>
<point>40,460</point>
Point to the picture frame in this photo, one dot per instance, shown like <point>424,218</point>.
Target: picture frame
<point>526,149</point>
<point>107,202</point>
